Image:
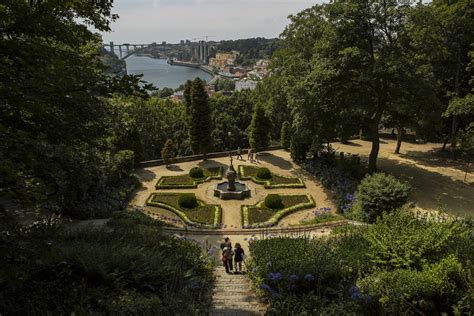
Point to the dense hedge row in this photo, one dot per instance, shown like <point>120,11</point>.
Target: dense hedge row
<point>270,181</point>
<point>187,181</point>
<point>267,217</point>
<point>202,215</point>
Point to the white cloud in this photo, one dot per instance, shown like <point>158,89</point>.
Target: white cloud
<point>146,21</point>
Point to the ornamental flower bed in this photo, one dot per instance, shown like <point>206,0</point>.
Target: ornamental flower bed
<point>185,181</point>
<point>258,215</point>
<point>202,216</point>
<point>276,180</point>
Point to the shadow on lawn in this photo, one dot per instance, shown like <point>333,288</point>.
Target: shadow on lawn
<point>275,160</point>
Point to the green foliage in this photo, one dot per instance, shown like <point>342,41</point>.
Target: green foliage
<point>187,201</point>
<point>163,92</point>
<point>405,290</point>
<point>186,181</point>
<point>250,49</point>
<point>266,215</point>
<point>231,114</point>
<point>225,85</point>
<point>198,116</point>
<point>274,181</point>
<point>426,269</point>
<point>399,240</point>
<point>196,173</point>
<point>380,192</point>
<point>322,217</point>
<point>285,136</point>
<point>132,268</point>
<point>62,144</point>
<point>259,129</point>
<point>167,153</point>
<point>274,201</point>
<point>192,212</point>
<point>264,173</point>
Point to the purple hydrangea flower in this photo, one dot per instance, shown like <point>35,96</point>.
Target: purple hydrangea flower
<point>265,286</point>
<point>293,278</point>
<point>309,277</point>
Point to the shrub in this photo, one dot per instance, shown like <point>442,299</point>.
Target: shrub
<point>380,192</point>
<point>188,201</point>
<point>264,173</point>
<point>196,173</point>
<point>285,135</point>
<point>274,201</point>
<point>167,152</point>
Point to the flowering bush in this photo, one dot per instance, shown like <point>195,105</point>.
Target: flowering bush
<point>395,266</point>
<point>341,176</point>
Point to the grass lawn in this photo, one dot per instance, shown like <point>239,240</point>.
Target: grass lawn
<point>204,215</point>
<point>276,181</point>
<point>185,181</point>
<point>259,215</point>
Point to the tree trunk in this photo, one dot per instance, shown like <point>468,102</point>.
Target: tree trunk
<point>445,143</point>
<point>399,139</point>
<point>454,128</point>
<point>374,131</point>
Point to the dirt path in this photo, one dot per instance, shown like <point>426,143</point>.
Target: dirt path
<point>436,182</point>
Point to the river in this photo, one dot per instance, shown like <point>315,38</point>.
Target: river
<point>160,73</point>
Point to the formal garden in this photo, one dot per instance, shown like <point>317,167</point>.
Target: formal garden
<point>345,175</point>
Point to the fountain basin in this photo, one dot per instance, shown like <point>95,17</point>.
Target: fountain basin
<point>222,191</point>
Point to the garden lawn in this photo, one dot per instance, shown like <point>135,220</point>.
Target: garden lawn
<point>276,181</point>
<point>259,215</point>
<point>204,215</point>
<point>184,181</point>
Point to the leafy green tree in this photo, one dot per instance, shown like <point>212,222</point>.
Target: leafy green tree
<point>167,153</point>
<point>225,85</point>
<point>285,139</point>
<point>259,129</point>
<point>199,116</point>
<point>347,61</point>
<point>60,150</point>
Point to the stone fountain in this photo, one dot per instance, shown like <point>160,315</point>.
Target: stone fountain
<point>231,189</point>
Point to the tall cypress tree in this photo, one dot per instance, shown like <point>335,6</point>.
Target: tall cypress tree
<point>198,115</point>
<point>259,128</point>
<point>285,138</point>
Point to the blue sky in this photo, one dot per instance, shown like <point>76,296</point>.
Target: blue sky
<point>146,21</point>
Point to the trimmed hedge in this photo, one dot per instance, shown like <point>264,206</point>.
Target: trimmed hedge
<point>274,201</point>
<point>264,173</point>
<point>170,201</point>
<point>187,201</point>
<point>196,173</point>
<point>275,215</point>
<point>276,181</point>
<point>185,181</point>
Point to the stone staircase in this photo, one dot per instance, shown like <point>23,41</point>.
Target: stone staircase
<point>233,296</point>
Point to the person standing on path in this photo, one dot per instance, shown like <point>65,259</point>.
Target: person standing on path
<point>227,255</point>
<point>256,157</point>
<point>250,155</point>
<point>239,154</point>
<point>223,244</point>
<point>238,257</point>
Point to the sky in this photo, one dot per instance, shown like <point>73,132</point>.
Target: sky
<point>147,21</point>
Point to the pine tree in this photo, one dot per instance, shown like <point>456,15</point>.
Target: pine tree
<point>167,153</point>
<point>198,115</point>
<point>286,135</point>
<point>259,128</point>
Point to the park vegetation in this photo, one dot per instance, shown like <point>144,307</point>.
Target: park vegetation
<point>72,132</point>
<point>397,266</point>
